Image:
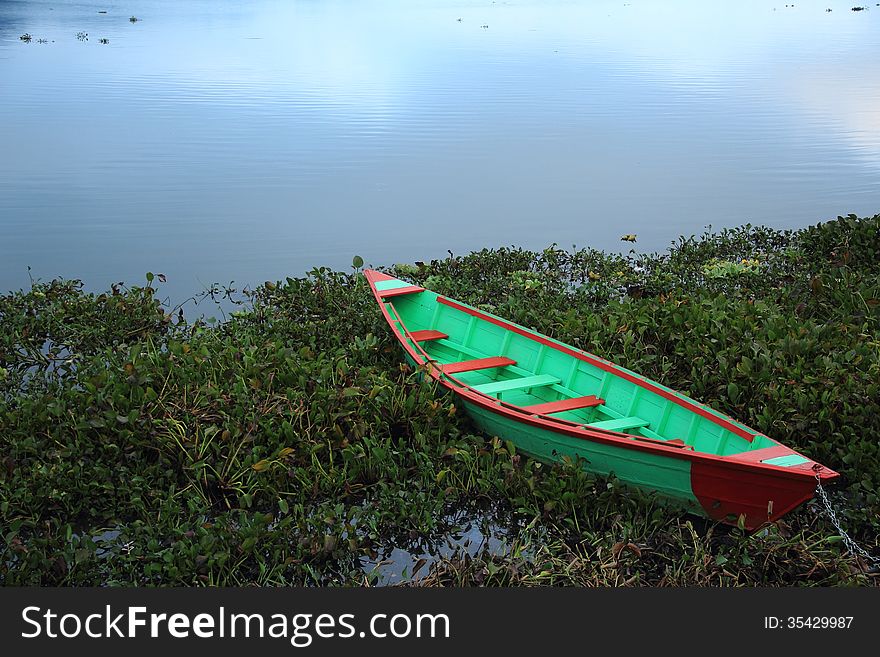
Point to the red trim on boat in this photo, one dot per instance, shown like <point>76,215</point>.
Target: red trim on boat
<point>564,405</point>
<point>618,439</point>
<point>476,364</point>
<point>374,276</point>
<point>758,455</point>
<point>427,334</point>
<point>603,365</point>
<point>800,476</point>
<point>677,442</point>
<point>396,292</point>
<point>759,494</point>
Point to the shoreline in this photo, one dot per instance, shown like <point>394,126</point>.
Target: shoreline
<point>289,444</point>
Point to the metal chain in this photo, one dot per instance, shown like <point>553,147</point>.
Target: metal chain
<point>851,545</point>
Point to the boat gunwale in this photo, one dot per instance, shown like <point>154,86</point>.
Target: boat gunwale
<point>809,470</point>
<point>607,366</point>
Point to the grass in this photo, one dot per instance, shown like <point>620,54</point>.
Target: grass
<point>289,444</point>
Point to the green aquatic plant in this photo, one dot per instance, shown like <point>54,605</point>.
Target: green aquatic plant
<point>290,444</point>
<point>716,268</point>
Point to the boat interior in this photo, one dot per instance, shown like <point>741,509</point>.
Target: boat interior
<point>536,376</point>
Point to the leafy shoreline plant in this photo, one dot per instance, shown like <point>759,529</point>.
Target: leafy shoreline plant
<point>289,444</point>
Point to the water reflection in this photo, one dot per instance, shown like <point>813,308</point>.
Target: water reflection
<point>468,534</point>
<point>218,141</point>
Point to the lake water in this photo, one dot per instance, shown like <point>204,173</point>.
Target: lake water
<point>218,140</point>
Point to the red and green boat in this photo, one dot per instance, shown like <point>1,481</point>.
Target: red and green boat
<point>553,400</point>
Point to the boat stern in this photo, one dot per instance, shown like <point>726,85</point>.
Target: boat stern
<point>759,486</point>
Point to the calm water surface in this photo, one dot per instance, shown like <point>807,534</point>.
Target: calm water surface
<point>218,140</point>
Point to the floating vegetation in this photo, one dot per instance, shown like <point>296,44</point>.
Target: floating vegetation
<point>718,268</point>
<point>291,445</point>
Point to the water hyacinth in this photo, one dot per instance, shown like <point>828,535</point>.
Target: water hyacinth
<point>290,444</point>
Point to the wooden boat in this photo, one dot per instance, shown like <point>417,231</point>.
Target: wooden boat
<point>553,400</point>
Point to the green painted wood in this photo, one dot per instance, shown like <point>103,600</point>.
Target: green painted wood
<point>505,343</point>
<point>549,375</point>
<point>435,313</point>
<point>516,384</point>
<point>667,409</point>
<point>472,325</point>
<point>647,433</point>
<point>391,284</point>
<point>610,412</point>
<point>668,476</point>
<point>459,348</point>
<point>539,360</point>
<point>607,378</point>
<point>787,461</point>
<point>620,424</point>
<point>635,401</point>
<point>572,372</point>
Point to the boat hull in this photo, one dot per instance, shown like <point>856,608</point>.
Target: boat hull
<point>748,498</point>
<point>656,439</point>
<point>668,476</point>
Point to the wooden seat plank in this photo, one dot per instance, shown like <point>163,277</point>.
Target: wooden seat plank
<point>670,443</point>
<point>477,364</point>
<point>570,404</point>
<point>620,424</point>
<point>517,384</point>
<point>428,334</point>
<point>409,289</point>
